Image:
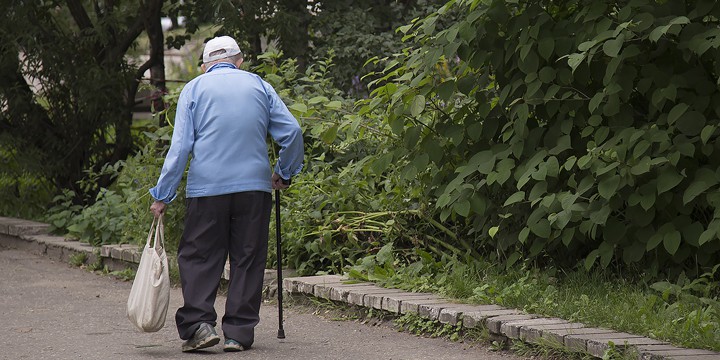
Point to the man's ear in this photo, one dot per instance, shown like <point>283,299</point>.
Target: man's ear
<point>238,63</point>
<point>202,67</point>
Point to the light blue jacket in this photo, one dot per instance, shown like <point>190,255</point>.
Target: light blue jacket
<point>222,122</point>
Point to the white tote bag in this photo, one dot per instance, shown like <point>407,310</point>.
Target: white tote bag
<point>150,294</point>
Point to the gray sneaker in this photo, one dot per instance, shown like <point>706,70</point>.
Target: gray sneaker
<point>204,337</point>
<point>232,346</point>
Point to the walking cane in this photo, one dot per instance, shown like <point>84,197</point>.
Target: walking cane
<point>278,241</point>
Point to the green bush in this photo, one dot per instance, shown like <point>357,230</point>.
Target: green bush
<point>121,213</point>
<point>350,198</point>
<point>24,190</point>
<point>582,131</point>
<point>139,174</point>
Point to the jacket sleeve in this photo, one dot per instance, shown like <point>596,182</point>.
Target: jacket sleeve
<point>286,132</point>
<point>176,160</point>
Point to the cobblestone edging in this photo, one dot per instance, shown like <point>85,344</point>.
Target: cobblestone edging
<point>499,321</point>
<point>33,237</point>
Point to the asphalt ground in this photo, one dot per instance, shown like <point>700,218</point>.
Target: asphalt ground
<point>51,310</point>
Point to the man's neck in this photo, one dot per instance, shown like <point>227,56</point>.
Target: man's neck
<point>222,64</point>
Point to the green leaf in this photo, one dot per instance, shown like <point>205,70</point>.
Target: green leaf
<point>442,200</point>
<point>512,259</point>
<point>595,102</point>
<point>537,191</point>
<point>606,251</point>
<point>647,201</point>
<point>691,233</point>
<point>318,99</point>
<point>462,207</point>
<point>536,247</point>
<point>600,216</point>
<point>654,241</point>
<point>567,236</point>
<point>381,164</point>
<point>640,149</point>
<point>492,231</point>
<point>611,70</point>
<point>706,236</point>
<point>642,167</point>
<point>595,10</point>
<point>704,179</point>
<point>334,105</point>
<point>584,161</point>
<point>590,259</point>
<point>330,134</point>
<point>547,74</point>
<point>706,133</point>
<point>516,197</point>
<point>541,228</point>
<point>446,89</point>
<point>404,29</point>
<point>478,204</point>
<point>677,111</point>
<point>546,46</point>
<point>608,186</point>
<point>298,107</point>
<point>595,120</point>
<point>587,45</point>
<point>612,47</point>
<point>667,180</point>
<point>418,105</point>
<point>634,252</point>
<point>662,30</point>
<point>574,60</point>
<point>604,170</point>
<point>692,123</point>
<point>524,51</point>
<point>671,241</point>
<point>522,237</point>
<point>570,163</point>
<point>397,124</point>
<point>562,219</point>
<point>452,33</point>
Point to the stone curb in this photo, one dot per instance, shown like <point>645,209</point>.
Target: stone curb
<point>500,322</point>
<point>33,237</point>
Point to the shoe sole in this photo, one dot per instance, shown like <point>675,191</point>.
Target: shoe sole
<point>205,343</point>
<point>233,348</point>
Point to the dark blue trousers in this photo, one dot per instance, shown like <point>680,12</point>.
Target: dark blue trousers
<point>215,227</point>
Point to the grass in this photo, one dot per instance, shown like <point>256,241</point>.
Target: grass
<point>335,311</point>
<point>594,299</point>
<point>418,325</point>
<point>78,259</point>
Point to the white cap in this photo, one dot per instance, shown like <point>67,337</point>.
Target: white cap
<point>220,43</point>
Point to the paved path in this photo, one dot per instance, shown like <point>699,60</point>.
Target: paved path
<point>50,310</point>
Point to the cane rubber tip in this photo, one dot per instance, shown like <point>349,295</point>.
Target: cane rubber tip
<point>281,334</point>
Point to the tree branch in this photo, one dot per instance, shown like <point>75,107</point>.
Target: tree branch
<point>79,15</point>
<point>127,38</point>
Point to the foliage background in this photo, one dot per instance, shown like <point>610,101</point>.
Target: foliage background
<point>515,131</point>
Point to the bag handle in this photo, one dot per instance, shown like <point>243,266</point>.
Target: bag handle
<point>150,233</point>
<point>159,234</point>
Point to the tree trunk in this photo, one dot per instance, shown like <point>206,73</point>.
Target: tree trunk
<point>157,58</point>
<point>294,36</point>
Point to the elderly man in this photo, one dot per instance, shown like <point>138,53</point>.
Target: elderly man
<point>222,122</point>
